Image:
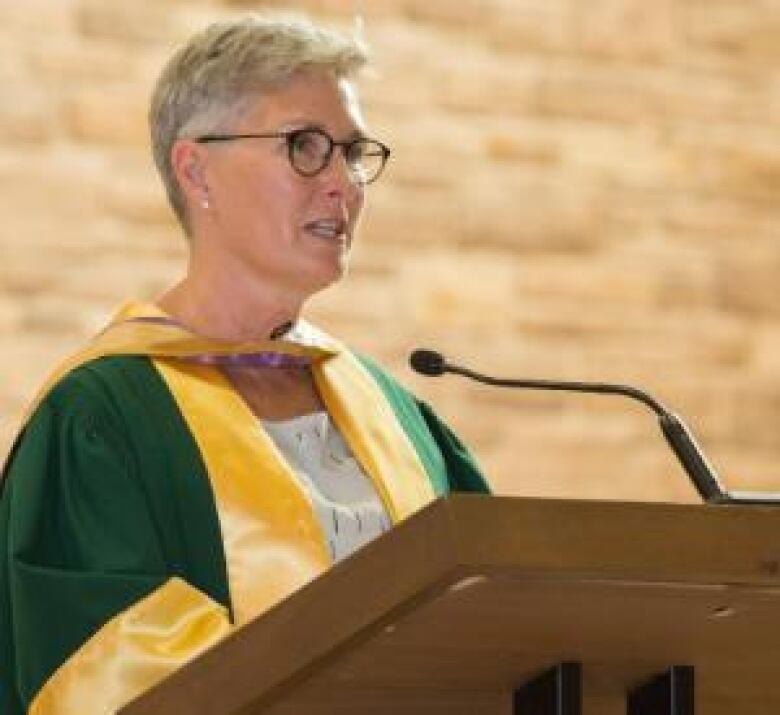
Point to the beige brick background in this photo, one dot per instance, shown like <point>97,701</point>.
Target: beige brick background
<point>578,190</point>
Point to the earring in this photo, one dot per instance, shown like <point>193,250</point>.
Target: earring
<point>205,202</point>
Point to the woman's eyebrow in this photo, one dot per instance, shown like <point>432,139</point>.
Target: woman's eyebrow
<point>303,123</point>
<point>357,133</point>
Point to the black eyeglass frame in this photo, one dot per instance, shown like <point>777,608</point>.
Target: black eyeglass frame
<point>291,135</point>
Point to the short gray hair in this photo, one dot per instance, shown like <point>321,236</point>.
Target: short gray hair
<point>207,80</point>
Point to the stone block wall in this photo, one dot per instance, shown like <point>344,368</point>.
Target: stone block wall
<point>577,191</point>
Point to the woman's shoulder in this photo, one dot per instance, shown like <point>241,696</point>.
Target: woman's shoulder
<point>105,416</point>
<point>105,382</point>
<point>447,460</point>
<point>78,427</point>
<point>390,384</point>
<point>99,396</point>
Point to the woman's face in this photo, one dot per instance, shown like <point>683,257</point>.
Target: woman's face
<point>268,222</point>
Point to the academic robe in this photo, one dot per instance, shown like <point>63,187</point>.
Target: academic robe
<point>144,512</point>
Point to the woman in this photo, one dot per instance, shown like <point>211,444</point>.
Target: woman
<point>206,455</point>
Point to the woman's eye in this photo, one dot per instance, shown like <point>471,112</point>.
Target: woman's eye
<point>355,153</point>
<point>305,143</point>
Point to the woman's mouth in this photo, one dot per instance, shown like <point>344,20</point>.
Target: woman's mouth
<point>326,228</point>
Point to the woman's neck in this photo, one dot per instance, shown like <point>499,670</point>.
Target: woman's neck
<point>214,311</point>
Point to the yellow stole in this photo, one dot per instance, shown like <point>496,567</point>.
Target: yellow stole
<point>272,540</point>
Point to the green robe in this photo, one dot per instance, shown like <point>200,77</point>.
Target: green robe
<point>105,496</point>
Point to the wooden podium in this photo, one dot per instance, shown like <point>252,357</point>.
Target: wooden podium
<point>474,597</point>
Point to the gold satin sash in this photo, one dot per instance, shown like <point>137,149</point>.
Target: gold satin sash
<point>124,336</point>
<point>133,651</point>
<point>273,542</point>
<point>369,425</point>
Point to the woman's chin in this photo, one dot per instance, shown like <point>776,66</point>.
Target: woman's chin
<point>326,273</point>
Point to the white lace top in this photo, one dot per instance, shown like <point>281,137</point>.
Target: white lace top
<point>343,496</point>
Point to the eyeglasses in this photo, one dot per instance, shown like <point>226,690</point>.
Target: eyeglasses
<point>310,150</point>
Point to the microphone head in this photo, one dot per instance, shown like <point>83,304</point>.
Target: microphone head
<point>428,362</point>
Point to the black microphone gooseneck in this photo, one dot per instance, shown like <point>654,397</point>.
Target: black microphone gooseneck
<point>679,437</point>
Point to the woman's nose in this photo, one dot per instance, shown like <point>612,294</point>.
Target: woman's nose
<point>340,177</point>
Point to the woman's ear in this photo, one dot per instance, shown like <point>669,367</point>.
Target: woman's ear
<point>188,161</point>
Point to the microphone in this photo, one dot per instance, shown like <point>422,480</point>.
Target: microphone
<point>677,434</point>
